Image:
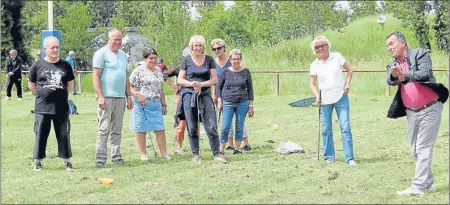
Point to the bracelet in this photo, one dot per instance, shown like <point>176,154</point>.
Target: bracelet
<point>164,105</point>
<point>250,105</point>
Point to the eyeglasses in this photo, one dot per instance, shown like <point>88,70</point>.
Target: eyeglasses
<point>235,59</point>
<point>320,46</point>
<point>217,49</point>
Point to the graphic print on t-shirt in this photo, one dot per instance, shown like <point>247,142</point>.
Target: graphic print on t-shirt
<point>55,78</point>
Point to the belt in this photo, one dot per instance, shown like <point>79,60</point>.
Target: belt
<point>423,107</point>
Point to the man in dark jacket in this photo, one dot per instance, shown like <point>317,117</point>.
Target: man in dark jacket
<point>419,98</point>
<point>13,70</point>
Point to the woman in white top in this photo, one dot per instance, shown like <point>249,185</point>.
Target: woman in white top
<point>327,69</point>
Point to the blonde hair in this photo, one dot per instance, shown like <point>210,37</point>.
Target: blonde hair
<point>219,41</point>
<point>237,52</point>
<point>196,39</point>
<point>319,38</point>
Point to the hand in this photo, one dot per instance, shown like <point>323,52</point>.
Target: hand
<point>10,73</point>
<point>401,77</point>
<point>74,70</point>
<point>197,87</point>
<point>101,103</point>
<point>164,110</point>
<point>129,103</point>
<point>219,104</point>
<point>395,71</point>
<point>251,112</point>
<point>214,100</point>
<point>175,88</point>
<point>317,102</point>
<point>346,89</point>
<point>142,100</point>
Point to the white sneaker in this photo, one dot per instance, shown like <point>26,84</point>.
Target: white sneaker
<point>144,157</point>
<point>19,99</point>
<point>8,98</point>
<point>168,157</point>
<point>329,161</point>
<point>351,163</point>
<point>410,192</point>
<point>178,151</point>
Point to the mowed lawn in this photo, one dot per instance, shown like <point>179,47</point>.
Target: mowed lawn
<point>260,176</point>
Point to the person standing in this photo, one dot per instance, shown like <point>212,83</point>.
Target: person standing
<point>70,59</point>
<point>197,75</point>
<point>327,69</point>
<point>13,70</point>
<point>51,80</point>
<point>420,99</point>
<point>112,87</point>
<point>235,97</point>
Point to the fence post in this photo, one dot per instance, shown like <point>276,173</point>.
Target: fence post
<point>277,83</point>
<point>388,90</point>
<point>80,81</point>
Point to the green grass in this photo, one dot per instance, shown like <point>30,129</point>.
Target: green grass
<point>261,176</point>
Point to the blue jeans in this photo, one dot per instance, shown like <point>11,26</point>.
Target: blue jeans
<point>343,114</point>
<point>229,109</point>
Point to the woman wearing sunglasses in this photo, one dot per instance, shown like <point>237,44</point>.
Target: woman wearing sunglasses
<point>327,69</point>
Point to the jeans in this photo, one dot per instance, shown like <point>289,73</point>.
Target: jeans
<point>229,109</point>
<point>343,114</point>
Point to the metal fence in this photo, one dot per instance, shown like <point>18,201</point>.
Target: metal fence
<point>276,74</point>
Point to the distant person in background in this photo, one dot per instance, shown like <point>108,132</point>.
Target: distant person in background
<point>50,79</point>
<point>222,61</point>
<point>197,75</point>
<point>38,55</point>
<point>149,103</point>
<point>70,59</point>
<point>327,69</point>
<point>420,99</point>
<point>235,97</point>
<point>13,70</point>
<point>160,64</point>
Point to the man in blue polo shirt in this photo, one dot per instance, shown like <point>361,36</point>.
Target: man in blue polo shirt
<point>72,64</point>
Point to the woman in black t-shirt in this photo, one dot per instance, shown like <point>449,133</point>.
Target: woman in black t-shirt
<point>197,74</point>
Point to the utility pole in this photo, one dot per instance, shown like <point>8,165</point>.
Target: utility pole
<point>50,15</point>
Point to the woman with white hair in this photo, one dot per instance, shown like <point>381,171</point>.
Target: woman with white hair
<point>197,75</point>
<point>327,69</point>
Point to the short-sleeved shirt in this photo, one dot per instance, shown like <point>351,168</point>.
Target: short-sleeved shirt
<point>70,60</point>
<point>198,73</point>
<point>219,70</point>
<point>51,81</point>
<point>114,71</point>
<point>329,75</point>
<point>149,84</point>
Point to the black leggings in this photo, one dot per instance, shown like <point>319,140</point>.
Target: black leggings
<point>61,125</point>
<point>209,123</point>
<point>14,81</point>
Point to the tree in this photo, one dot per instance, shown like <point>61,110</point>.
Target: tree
<point>441,25</point>
<point>13,33</point>
<point>362,8</point>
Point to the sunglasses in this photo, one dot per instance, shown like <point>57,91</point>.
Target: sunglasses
<point>216,49</point>
<point>320,46</point>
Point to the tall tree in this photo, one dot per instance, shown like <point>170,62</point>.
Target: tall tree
<point>441,24</point>
<point>362,8</point>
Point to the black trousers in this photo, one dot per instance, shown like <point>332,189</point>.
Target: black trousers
<point>61,125</point>
<point>12,80</point>
<point>209,123</point>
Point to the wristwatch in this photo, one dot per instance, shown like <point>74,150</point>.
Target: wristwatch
<point>250,105</point>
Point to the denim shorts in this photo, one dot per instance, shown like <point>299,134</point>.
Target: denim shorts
<point>148,119</point>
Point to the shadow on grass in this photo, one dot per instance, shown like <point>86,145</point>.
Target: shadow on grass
<point>375,159</point>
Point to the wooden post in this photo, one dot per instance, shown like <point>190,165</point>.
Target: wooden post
<point>277,83</point>
<point>388,90</point>
<point>80,81</point>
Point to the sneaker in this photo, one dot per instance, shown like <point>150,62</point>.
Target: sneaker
<point>76,94</point>
<point>38,166</point>
<point>230,148</point>
<point>329,161</point>
<point>168,157</point>
<point>220,158</point>
<point>100,164</point>
<point>197,159</point>
<point>19,99</point>
<point>144,157</point>
<point>237,152</point>
<point>351,163</point>
<point>179,150</point>
<point>8,98</point>
<point>247,148</point>
<point>68,166</point>
<point>118,161</point>
<point>410,192</point>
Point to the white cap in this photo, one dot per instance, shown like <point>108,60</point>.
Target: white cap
<point>71,52</point>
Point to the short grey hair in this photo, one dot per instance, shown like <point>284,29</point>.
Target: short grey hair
<point>110,32</point>
<point>237,52</point>
<point>219,41</point>
<point>400,36</point>
<point>47,40</point>
<point>320,38</point>
<point>12,51</point>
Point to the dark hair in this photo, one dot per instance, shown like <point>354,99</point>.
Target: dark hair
<point>148,51</point>
<point>161,59</point>
<point>400,36</point>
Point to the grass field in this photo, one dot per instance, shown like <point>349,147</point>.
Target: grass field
<point>261,176</point>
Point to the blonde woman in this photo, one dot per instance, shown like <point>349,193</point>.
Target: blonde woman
<point>197,75</point>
